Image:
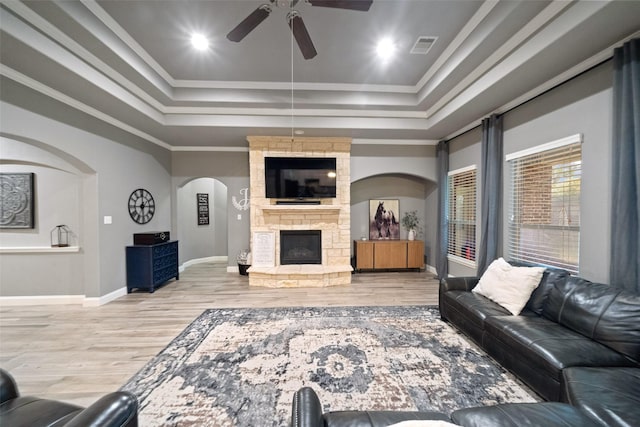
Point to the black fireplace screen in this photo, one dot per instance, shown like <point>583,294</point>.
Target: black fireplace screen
<point>300,247</point>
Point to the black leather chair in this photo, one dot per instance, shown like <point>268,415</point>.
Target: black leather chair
<point>117,409</point>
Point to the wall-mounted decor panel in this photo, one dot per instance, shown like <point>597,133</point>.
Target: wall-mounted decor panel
<point>17,209</point>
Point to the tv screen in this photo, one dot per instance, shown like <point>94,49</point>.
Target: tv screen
<point>300,177</point>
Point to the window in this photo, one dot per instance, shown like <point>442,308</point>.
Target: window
<point>544,216</point>
<point>461,220</point>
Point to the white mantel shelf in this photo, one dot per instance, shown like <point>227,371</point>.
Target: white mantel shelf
<point>39,250</point>
<point>300,208</point>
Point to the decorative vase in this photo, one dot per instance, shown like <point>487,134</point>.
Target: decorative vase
<point>412,234</point>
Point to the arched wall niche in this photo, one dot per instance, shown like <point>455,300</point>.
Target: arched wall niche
<point>414,193</point>
<point>65,192</point>
<point>205,241</point>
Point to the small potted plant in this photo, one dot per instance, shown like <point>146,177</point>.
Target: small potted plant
<point>411,222</point>
<point>244,261</point>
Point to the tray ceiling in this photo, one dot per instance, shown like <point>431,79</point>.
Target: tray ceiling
<point>129,64</point>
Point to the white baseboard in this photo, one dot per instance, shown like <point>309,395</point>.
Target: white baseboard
<point>42,300</point>
<point>91,301</point>
<point>98,301</point>
<point>431,269</point>
<point>62,299</point>
<point>218,258</point>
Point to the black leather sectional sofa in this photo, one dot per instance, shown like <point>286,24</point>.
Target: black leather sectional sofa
<point>576,344</point>
<point>576,341</point>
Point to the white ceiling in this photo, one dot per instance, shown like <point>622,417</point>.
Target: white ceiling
<point>129,64</point>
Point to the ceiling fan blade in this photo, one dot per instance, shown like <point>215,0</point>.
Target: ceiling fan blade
<point>362,5</point>
<point>301,34</point>
<point>249,23</point>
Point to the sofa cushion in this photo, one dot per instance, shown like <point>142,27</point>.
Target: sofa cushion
<point>608,395</point>
<point>475,306</point>
<point>468,311</point>
<point>540,294</point>
<point>509,286</point>
<point>547,414</point>
<point>601,312</point>
<point>548,346</point>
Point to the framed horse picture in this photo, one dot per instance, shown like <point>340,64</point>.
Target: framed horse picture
<point>384,219</point>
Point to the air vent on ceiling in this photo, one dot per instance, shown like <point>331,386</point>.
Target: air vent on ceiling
<point>423,44</point>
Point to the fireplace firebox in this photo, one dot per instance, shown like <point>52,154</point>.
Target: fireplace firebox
<point>300,247</point>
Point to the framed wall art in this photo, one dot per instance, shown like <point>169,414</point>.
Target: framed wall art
<point>17,209</point>
<point>203,208</point>
<point>384,219</point>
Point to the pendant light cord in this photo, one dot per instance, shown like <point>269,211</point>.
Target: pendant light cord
<point>292,25</point>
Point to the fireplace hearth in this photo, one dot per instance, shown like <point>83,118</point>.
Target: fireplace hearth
<point>300,247</point>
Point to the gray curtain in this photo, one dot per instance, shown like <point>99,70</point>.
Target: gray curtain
<point>491,190</point>
<point>625,213</point>
<point>442,265</point>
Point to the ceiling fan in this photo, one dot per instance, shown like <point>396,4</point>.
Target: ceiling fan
<point>294,19</point>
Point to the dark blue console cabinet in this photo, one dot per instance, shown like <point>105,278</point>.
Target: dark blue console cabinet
<point>149,266</point>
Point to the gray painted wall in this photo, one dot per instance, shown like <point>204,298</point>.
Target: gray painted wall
<point>416,165</point>
<point>582,105</point>
<point>231,169</point>
<point>104,171</point>
<point>111,172</point>
<point>407,173</point>
<point>202,241</point>
<point>57,189</point>
<point>372,160</point>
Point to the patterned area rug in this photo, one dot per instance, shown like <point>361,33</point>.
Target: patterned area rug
<point>241,367</point>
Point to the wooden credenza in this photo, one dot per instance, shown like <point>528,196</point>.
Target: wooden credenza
<point>388,254</point>
<point>149,266</point>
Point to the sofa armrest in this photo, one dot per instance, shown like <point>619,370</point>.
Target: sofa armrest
<point>8,387</point>
<point>307,409</point>
<point>117,409</point>
<point>458,283</point>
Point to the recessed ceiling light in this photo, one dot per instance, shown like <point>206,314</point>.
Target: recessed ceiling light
<point>298,132</point>
<point>385,48</point>
<point>199,42</point>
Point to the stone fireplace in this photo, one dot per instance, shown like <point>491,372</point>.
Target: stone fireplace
<point>299,229</point>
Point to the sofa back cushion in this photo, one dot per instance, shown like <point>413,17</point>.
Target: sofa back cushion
<point>604,313</point>
<point>541,293</point>
<point>549,279</point>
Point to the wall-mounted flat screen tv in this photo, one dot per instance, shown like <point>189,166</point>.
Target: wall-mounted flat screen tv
<point>300,177</point>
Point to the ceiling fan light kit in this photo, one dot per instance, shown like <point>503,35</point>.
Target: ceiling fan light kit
<point>294,19</point>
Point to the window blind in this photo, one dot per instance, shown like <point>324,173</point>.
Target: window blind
<point>544,215</point>
<point>461,220</point>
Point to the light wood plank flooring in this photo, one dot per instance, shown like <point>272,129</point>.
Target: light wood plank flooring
<point>78,354</point>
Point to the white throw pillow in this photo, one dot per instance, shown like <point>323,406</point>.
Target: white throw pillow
<point>424,423</point>
<point>509,286</point>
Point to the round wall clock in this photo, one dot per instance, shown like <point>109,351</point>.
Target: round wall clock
<point>141,206</point>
